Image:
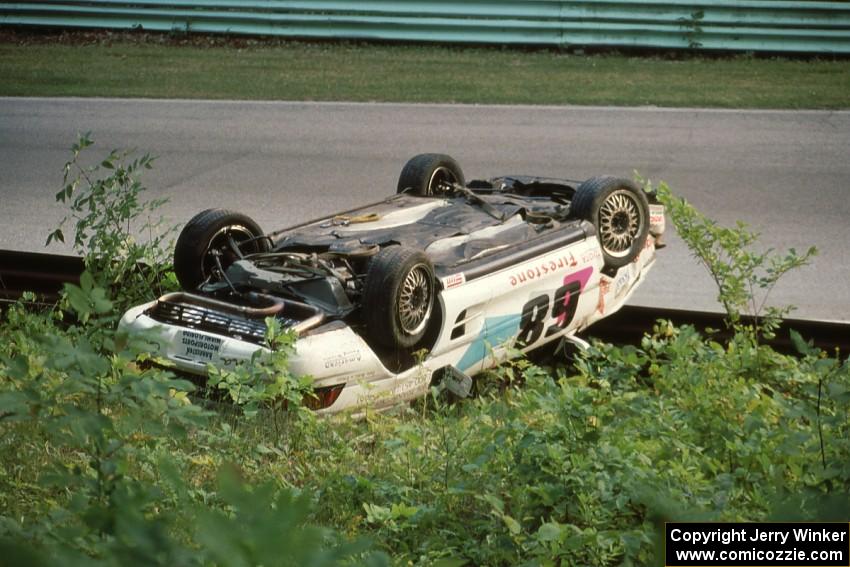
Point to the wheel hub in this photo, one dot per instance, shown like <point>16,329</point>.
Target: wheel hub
<point>441,180</point>
<point>620,221</point>
<point>414,302</point>
<point>224,248</point>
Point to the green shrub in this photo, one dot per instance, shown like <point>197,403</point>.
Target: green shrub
<point>102,451</point>
<point>744,275</point>
<point>122,237</point>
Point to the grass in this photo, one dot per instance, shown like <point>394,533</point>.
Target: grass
<point>215,68</point>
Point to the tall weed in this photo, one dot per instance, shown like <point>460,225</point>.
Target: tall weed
<point>122,237</point>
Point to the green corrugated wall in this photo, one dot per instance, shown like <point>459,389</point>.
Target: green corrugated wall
<point>749,25</point>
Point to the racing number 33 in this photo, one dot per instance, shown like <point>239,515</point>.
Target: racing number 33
<point>563,308</point>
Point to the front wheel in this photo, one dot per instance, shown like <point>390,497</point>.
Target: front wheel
<point>619,210</point>
<point>212,241</point>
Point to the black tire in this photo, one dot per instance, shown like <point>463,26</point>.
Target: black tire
<point>619,210</point>
<point>206,237</point>
<point>427,175</point>
<point>398,297</point>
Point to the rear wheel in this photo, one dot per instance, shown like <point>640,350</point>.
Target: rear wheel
<point>429,175</point>
<point>212,241</point>
<point>620,212</point>
<point>398,297</point>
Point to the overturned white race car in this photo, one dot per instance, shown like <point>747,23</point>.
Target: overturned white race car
<point>469,272</point>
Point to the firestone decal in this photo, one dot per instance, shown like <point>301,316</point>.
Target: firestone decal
<point>541,270</point>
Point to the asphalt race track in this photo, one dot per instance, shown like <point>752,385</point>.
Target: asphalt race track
<point>785,173</point>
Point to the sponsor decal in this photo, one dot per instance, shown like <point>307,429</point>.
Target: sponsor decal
<point>343,359</point>
<point>621,284</point>
<point>656,215</point>
<point>542,269</point>
<point>352,378</point>
<point>454,280</point>
<point>415,382</point>
<point>200,347</point>
<point>591,256</point>
<point>604,288</point>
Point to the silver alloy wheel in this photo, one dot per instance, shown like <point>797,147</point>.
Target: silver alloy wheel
<point>415,300</point>
<point>221,242</point>
<point>621,219</point>
<point>441,177</point>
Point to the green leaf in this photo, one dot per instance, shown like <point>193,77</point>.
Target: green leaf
<point>838,392</point>
<point>513,525</point>
<point>550,531</point>
<point>55,235</point>
<point>86,281</point>
<point>376,514</point>
<point>100,302</point>
<point>800,345</point>
<point>79,300</point>
<point>263,449</point>
<point>401,510</point>
<point>495,502</point>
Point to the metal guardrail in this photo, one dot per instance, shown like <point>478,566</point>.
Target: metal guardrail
<point>631,322</point>
<point>45,274</point>
<point>42,274</point>
<point>741,25</point>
